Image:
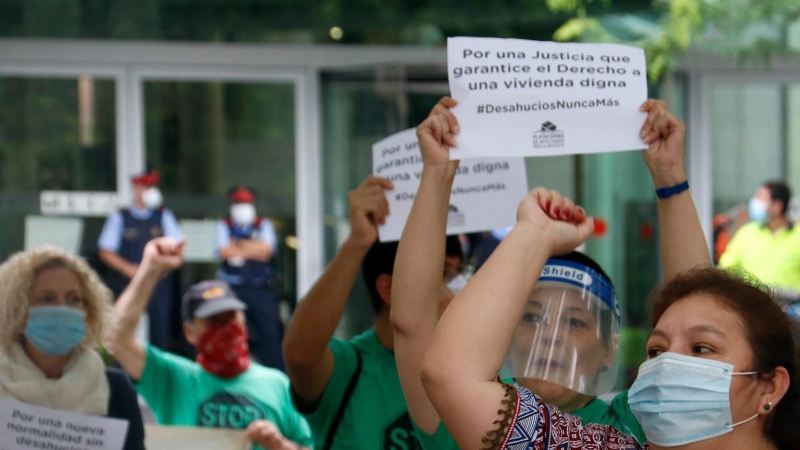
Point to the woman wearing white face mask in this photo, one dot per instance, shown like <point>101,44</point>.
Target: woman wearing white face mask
<point>246,244</point>
<point>53,308</point>
<point>122,242</point>
<point>723,369</point>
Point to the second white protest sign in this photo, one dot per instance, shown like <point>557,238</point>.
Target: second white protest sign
<point>485,195</point>
<point>28,427</point>
<point>531,98</point>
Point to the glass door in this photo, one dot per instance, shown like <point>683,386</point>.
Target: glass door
<point>56,134</point>
<point>207,137</point>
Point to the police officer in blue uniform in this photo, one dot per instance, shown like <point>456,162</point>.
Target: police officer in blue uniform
<point>122,242</point>
<point>246,245</point>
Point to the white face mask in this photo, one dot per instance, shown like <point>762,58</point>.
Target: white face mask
<point>152,198</point>
<point>243,214</point>
<point>757,209</point>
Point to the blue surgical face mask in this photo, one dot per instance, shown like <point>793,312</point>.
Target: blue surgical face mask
<point>55,330</point>
<point>681,399</point>
<point>757,210</point>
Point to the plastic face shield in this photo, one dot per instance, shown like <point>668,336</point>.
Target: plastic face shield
<point>569,332</point>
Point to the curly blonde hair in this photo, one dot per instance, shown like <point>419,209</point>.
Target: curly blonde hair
<point>17,275</point>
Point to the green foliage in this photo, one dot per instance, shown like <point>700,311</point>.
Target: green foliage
<point>391,22</point>
<point>744,29</point>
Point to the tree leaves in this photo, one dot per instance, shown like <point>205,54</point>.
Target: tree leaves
<point>742,29</point>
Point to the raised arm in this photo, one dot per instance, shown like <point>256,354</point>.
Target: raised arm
<point>474,334</point>
<point>683,243</point>
<point>417,279</point>
<point>161,256</point>
<point>309,360</point>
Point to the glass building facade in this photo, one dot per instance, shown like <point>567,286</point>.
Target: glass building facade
<point>288,97</point>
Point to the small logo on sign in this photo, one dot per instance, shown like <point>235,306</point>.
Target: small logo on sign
<point>455,218</point>
<point>548,136</point>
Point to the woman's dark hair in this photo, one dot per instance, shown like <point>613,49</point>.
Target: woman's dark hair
<point>767,329</point>
<point>582,258</point>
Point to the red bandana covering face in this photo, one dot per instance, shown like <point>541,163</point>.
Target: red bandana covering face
<point>223,351</point>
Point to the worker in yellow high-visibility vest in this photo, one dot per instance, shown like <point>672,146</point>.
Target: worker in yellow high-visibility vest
<point>768,246</point>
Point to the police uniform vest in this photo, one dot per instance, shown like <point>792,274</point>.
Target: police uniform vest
<point>136,233</point>
<point>253,272</point>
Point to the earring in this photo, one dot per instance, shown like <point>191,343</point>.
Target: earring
<point>768,406</point>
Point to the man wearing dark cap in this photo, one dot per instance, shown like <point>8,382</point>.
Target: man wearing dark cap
<point>246,244</point>
<point>122,242</point>
<point>223,388</point>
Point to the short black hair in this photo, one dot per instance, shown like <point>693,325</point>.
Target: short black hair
<point>453,247</point>
<point>380,261</point>
<point>581,258</point>
<point>779,190</point>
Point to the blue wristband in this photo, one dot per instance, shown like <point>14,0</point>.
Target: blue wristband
<point>667,192</point>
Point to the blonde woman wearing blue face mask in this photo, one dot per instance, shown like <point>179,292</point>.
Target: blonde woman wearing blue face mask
<point>722,370</point>
<point>52,312</point>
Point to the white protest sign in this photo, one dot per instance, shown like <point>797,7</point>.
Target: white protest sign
<point>184,438</point>
<point>531,98</point>
<point>26,427</point>
<point>485,195</point>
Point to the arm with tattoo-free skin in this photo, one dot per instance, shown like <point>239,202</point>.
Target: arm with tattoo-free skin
<point>161,256</point>
<point>309,359</point>
<point>683,243</point>
<point>417,281</point>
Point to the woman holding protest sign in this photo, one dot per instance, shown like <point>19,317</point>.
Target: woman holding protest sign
<point>565,347</point>
<point>53,308</point>
<point>723,369</point>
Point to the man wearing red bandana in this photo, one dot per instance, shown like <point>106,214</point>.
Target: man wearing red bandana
<point>223,388</point>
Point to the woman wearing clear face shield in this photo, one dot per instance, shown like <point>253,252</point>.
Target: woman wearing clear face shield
<point>722,369</point>
<point>590,325</point>
<point>53,308</point>
<point>566,346</point>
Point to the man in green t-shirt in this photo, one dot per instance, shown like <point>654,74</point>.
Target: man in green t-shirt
<point>349,391</point>
<point>223,389</point>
